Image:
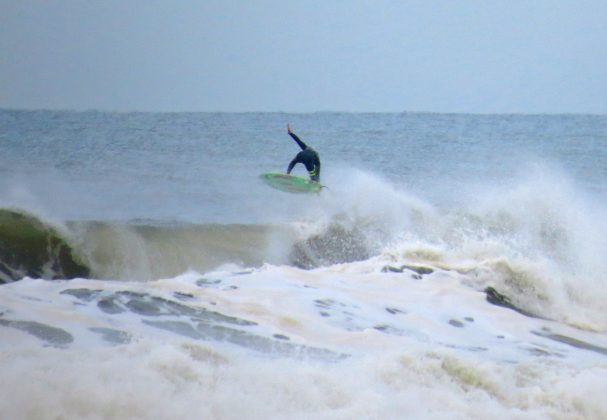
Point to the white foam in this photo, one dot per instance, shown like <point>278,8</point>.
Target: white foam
<point>424,348</point>
<point>539,238</point>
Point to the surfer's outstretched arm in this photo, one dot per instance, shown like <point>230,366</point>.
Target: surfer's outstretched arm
<point>292,164</point>
<point>297,139</point>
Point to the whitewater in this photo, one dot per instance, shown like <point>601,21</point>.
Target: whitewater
<point>454,269</point>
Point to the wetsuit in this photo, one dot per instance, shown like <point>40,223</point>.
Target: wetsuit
<point>309,158</point>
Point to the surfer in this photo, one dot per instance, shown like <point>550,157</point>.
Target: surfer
<point>308,157</point>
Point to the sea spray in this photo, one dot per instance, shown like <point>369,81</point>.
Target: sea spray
<point>539,241</point>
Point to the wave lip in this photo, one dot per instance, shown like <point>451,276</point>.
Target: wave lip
<point>30,247</point>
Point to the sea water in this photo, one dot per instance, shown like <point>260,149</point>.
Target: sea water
<point>455,267</point>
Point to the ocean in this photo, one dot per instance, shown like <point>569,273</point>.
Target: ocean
<point>455,267</point>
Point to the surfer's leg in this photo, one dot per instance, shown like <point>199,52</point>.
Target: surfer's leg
<point>313,170</point>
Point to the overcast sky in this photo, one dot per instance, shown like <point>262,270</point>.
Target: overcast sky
<point>527,56</point>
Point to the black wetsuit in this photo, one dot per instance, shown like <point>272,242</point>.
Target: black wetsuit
<point>308,157</point>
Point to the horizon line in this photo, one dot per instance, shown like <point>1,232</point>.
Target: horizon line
<point>479,113</point>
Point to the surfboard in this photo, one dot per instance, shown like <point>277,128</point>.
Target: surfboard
<point>290,183</point>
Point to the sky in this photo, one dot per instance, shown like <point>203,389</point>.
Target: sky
<point>514,56</point>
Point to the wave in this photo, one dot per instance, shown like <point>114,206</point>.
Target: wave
<point>539,241</point>
<point>147,250</point>
<point>31,247</point>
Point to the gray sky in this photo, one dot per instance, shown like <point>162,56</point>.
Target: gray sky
<point>528,56</point>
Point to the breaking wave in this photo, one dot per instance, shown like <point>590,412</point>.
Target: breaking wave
<point>539,241</point>
<point>34,247</point>
<point>31,247</point>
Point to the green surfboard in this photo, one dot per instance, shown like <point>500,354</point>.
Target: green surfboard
<point>290,183</point>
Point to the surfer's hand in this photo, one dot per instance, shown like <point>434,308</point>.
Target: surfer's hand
<point>289,129</point>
